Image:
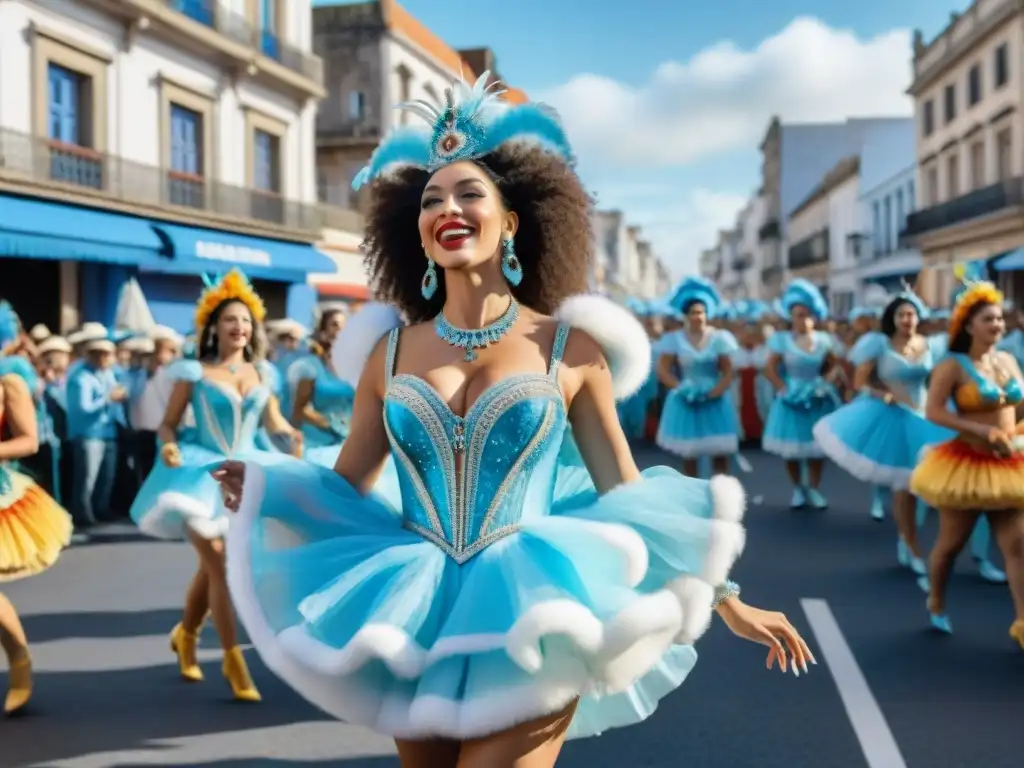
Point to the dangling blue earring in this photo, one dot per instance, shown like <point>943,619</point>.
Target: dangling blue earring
<point>429,286</point>
<point>510,265</point>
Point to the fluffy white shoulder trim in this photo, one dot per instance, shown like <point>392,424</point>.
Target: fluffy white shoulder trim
<point>620,335</point>
<point>355,343</point>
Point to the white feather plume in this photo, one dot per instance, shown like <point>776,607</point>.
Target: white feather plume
<point>620,335</point>
<point>354,344</point>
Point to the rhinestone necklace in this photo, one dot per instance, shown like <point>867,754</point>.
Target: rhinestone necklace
<point>477,338</point>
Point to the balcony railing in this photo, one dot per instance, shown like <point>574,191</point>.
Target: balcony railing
<point>769,230</point>
<point>334,130</point>
<point>47,164</point>
<point>981,202</point>
<point>810,251</point>
<point>238,27</point>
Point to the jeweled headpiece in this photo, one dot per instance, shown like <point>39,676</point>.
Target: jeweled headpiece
<point>473,122</point>
<point>975,288</point>
<point>233,286</point>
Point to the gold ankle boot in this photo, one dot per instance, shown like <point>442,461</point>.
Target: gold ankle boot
<point>236,672</point>
<point>1017,632</point>
<point>20,686</point>
<point>183,645</point>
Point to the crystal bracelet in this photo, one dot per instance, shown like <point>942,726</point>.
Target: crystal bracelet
<point>724,592</point>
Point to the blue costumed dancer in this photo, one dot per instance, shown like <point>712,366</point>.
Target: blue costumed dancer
<point>879,436</point>
<point>510,594</point>
<point>634,409</point>
<point>800,358</point>
<point>229,389</point>
<point>699,417</point>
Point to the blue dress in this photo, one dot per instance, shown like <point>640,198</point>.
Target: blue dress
<point>878,443</point>
<point>692,424</point>
<point>503,589</point>
<point>173,499</point>
<point>789,431</point>
<point>333,399</point>
<point>633,410</point>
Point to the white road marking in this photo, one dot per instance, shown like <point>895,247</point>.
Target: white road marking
<point>873,733</point>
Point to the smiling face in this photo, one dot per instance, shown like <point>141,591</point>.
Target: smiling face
<point>462,220</point>
<point>234,327</point>
<point>987,326</point>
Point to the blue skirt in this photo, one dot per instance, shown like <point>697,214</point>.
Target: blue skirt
<point>598,598</point>
<point>695,429</point>
<point>878,443</point>
<point>789,432</point>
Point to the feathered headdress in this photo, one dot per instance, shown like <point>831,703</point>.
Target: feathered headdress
<point>908,295</point>
<point>803,293</point>
<point>233,286</point>
<point>974,288</point>
<point>10,325</point>
<point>473,123</point>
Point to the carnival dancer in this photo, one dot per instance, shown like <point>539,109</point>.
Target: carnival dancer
<point>754,392</point>
<point>321,400</point>
<point>510,602</point>
<point>634,409</point>
<point>227,390</point>
<point>33,527</point>
<point>800,359</point>
<point>879,436</point>
<point>699,417</point>
<point>981,470</point>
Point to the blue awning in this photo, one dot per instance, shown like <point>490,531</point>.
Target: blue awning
<point>196,250</point>
<point>43,229</point>
<point>1010,262</point>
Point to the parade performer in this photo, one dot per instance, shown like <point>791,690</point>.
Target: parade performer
<point>800,359</point>
<point>228,391</point>
<point>879,436</point>
<point>634,409</point>
<point>321,400</point>
<point>33,527</point>
<point>754,391</point>
<point>981,470</point>
<point>512,600</point>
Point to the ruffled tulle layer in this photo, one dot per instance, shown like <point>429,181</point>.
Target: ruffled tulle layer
<point>379,627</point>
<point>694,429</point>
<point>877,443</point>
<point>33,527</point>
<point>789,431</point>
<point>957,475</point>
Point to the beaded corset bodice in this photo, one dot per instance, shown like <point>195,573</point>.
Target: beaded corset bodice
<point>226,420</point>
<point>467,482</point>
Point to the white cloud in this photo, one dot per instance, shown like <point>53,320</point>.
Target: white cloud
<point>723,97</point>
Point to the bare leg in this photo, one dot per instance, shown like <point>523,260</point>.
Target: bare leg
<point>720,465</point>
<point>904,512</point>
<point>12,633</point>
<point>535,744</point>
<point>15,645</point>
<point>815,469</point>
<point>691,468</point>
<point>794,470</point>
<point>197,602</point>
<point>1008,529</point>
<point>437,753</point>
<point>955,528</point>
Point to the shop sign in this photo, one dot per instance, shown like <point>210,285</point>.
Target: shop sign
<point>236,254</point>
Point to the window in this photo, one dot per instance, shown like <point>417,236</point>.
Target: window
<point>185,180</point>
<point>952,176</point>
<point>977,165</point>
<point>974,85</point>
<point>266,161</point>
<point>949,103</point>
<point>887,225</point>
<point>66,97</point>
<point>876,229</point>
<point>357,105</point>
<point>268,26</point>
<point>1004,154</point>
<point>1002,66</point>
<point>199,10</point>
<point>928,118</point>
<point>931,186</point>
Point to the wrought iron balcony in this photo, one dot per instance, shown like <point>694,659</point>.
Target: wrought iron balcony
<point>810,251</point>
<point>980,202</point>
<point>770,230</point>
<point>45,167</point>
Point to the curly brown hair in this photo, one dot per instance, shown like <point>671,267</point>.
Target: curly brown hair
<point>554,242</point>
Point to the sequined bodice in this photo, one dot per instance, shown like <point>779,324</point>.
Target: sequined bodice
<point>466,482</point>
<point>904,375</point>
<point>227,421</point>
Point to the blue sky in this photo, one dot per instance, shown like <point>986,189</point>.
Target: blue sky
<point>666,104</point>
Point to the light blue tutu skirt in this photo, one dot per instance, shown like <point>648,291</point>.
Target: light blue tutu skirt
<point>789,431</point>
<point>878,443</point>
<point>601,598</point>
<point>765,392</point>
<point>692,426</point>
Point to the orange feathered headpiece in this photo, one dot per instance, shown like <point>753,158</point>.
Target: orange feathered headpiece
<point>975,291</point>
<point>233,286</point>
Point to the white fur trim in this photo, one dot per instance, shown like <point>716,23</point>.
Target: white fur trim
<point>620,335</point>
<point>792,450</point>
<point>714,445</point>
<point>174,513</point>
<point>354,344</point>
<point>861,467</point>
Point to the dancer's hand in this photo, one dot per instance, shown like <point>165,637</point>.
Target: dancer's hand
<point>171,455</point>
<point>769,628</point>
<point>231,476</point>
<point>297,443</point>
<point>998,440</point>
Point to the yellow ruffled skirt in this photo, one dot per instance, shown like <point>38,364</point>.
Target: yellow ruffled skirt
<point>959,475</point>
<point>33,527</point>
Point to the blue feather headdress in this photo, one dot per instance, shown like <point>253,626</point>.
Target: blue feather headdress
<point>694,290</point>
<point>473,122</point>
<point>858,312</point>
<point>10,326</point>
<point>803,293</point>
<point>908,295</point>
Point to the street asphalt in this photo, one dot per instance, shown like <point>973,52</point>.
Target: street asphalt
<point>887,693</point>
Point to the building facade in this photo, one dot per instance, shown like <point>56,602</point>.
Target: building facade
<point>748,260</point>
<point>968,99</point>
<point>157,140</point>
<point>625,264</point>
<point>882,256</point>
<point>810,242</point>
